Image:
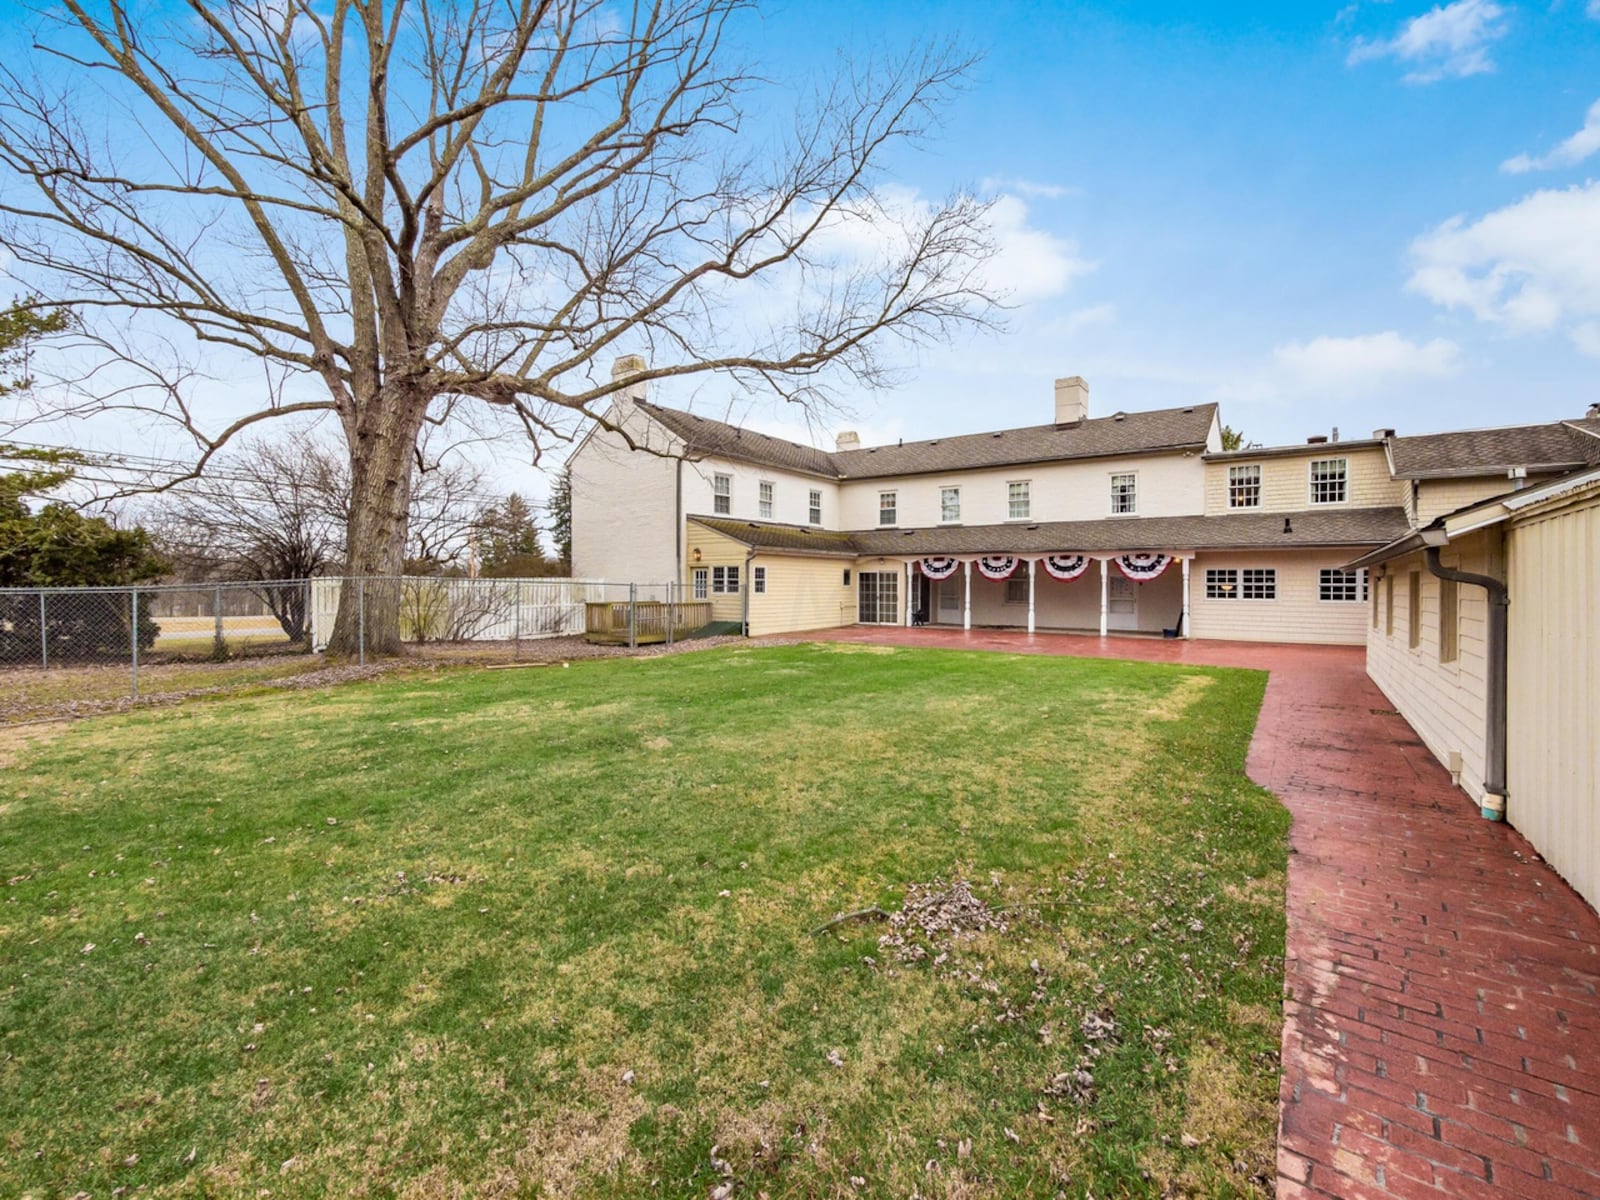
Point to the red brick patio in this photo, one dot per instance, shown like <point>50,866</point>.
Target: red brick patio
<point>1442,1015</point>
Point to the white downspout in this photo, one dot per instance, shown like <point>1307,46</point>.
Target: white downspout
<point>1105,596</point>
<point>966,608</point>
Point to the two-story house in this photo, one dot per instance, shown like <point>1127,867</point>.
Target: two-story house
<point>1130,522</point>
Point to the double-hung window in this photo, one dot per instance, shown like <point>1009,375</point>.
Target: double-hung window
<point>816,508</point>
<point>949,504</point>
<point>722,494</point>
<point>758,580</point>
<point>765,499</point>
<point>724,581</point>
<point>887,507</point>
<point>1222,583</point>
<point>1124,494</point>
<point>1019,505</point>
<point>1244,486</point>
<point>1341,586</point>
<point>1259,583</point>
<point>1329,480</point>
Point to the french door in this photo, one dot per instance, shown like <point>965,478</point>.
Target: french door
<point>878,596</point>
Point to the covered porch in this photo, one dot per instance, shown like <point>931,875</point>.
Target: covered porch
<point>1104,593</point>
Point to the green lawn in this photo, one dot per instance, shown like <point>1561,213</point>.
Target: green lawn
<point>411,937</point>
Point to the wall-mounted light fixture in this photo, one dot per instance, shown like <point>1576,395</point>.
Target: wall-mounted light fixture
<point>695,554</point>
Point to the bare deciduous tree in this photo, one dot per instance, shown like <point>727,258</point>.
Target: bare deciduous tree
<point>403,207</point>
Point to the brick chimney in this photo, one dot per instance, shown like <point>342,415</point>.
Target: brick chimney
<point>629,364</point>
<point>1072,400</point>
<point>849,440</point>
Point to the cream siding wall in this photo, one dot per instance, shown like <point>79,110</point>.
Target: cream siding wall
<point>1435,497</point>
<point>624,505</point>
<point>1297,615</point>
<point>1168,485</point>
<point>1286,481</point>
<point>1553,726</point>
<point>716,550</point>
<point>1444,702</point>
<point>802,593</point>
<point>790,492</point>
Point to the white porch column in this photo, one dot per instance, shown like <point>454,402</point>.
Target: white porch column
<point>966,608</point>
<point>1033,571</point>
<point>1186,633</point>
<point>908,592</point>
<point>1105,595</point>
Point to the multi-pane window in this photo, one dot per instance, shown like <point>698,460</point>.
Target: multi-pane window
<point>1414,609</point>
<point>886,508</point>
<point>816,508</point>
<point>758,580</point>
<point>1019,504</point>
<point>950,504</point>
<point>1343,586</point>
<point>1329,484</point>
<point>1222,583</point>
<point>724,581</point>
<point>1449,620</point>
<point>701,576</point>
<point>1259,583</point>
<point>1124,494</point>
<point>1017,585</point>
<point>766,499</point>
<point>722,493</point>
<point>1244,486</point>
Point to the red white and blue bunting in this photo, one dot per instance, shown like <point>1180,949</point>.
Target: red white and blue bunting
<point>1141,568</point>
<point>940,568</point>
<point>997,566</point>
<point>1066,566</point>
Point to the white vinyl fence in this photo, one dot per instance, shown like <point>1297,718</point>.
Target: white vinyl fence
<point>481,610</point>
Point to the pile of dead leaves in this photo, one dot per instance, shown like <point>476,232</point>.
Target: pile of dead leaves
<point>935,915</point>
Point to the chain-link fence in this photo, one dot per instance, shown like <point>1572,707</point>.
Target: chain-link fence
<point>71,635</point>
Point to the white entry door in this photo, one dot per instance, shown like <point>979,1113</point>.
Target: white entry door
<point>1122,603</point>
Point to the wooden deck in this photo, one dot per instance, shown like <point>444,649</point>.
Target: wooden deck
<point>653,621</point>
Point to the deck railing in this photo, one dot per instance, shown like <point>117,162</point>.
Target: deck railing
<point>643,622</point>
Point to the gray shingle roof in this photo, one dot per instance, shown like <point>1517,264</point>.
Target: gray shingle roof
<point>769,535</point>
<point>1096,437</point>
<point>1234,531</point>
<point>1559,445</point>
<point>703,436</point>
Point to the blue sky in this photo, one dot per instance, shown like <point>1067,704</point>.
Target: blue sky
<point>1308,212</point>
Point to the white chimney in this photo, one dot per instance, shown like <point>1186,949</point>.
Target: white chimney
<point>629,364</point>
<point>1072,400</point>
<point>849,440</point>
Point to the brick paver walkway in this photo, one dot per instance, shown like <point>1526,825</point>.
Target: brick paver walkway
<point>1442,1004</point>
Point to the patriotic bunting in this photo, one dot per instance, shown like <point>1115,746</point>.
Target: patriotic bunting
<point>997,566</point>
<point>1066,566</point>
<point>1141,568</point>
<point>939,568</point>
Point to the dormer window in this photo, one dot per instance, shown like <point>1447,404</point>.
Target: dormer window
<point>1244,486</point>
<point>1329,480</point>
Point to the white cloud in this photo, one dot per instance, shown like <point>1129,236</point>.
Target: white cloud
<point>1364,361</point>
<point>1593,9</point>
<point>1569,153</point>
<point>1530,267</point>
<point>1031,189</point>
<point>1447,42</point>
<point>1030,264</point>
<point>1084,318</point>
<point>1586,337</point>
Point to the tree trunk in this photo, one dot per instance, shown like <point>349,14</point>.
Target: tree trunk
<point>381,452</point>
